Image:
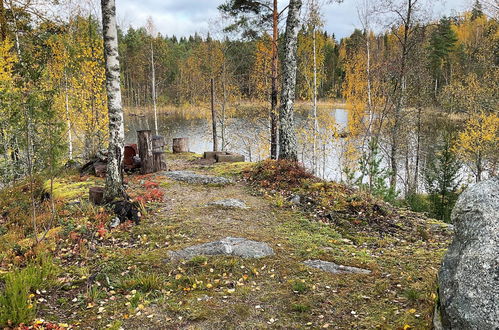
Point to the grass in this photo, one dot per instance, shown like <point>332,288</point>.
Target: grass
<point>16,300</point>
<point>67,189</point>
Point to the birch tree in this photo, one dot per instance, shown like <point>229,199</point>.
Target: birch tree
<point>114,179</point>
<point>287,134</point>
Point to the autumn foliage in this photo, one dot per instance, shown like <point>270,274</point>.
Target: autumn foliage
<point>279,174</point>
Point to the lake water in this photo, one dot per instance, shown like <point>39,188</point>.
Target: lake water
<point>249,137</point>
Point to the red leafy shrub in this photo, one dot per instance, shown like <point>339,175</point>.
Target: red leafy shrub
<point>151,184</point>
<point>279,174</point>
<point>151,195</point>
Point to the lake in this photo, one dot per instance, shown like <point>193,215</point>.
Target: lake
<point>249,137</point>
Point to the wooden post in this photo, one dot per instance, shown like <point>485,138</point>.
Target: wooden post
<point>214,115</point>
<point>158,143</point>
<point>96,195</point>
<point>145,151</point>
<point>180,145</point>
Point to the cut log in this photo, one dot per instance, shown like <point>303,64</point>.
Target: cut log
<point>213,154</point>
<point>96,195</point>
<point>180,145</point>
<point>229,158</point>
<point>159,161</point>
<point>145,151</point>
<point>158,144</point>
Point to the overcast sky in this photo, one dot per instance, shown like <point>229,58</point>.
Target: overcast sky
<point>185,17</point>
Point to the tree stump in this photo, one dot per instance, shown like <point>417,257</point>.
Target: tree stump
<point>145,151</point>
<point>180,145</point>
<point>96,195</point>
<point>158,144</point>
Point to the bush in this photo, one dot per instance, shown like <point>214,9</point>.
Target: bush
<point>16,304</point>
<point>279,174</point>
<point>145,282</point>
<point>418,203</point>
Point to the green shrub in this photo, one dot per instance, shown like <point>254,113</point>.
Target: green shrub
<point>16,305</point>
<point>145,282</point>
<point>418,203</point>
<point>299,287</point>
<point>300,308</point>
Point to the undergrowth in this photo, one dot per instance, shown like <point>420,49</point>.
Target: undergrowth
<point>16,300</point>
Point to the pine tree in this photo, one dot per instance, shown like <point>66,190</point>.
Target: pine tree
<point>442,178</point>
<point>442,43</point>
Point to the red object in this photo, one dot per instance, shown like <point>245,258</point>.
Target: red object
<point>130,152</point>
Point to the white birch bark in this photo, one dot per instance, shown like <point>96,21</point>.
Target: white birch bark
<point>114,179</point>
<point>153,83</point>
<point>287,133</point>
<point>316,124</point>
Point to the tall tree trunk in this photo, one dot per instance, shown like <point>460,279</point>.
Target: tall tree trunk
<point>418,147</point>
<point>153,90</point>
<point>400,98</point>
<point>273,97</point>
<point>214,115</point>
<point>316,124</point>
<point>114,179</point>
<point>3,22</point>
<point>224,104</point>
<point>287,134</point>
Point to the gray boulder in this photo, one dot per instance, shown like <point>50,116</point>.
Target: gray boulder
<point>229,203</point>
<point>469,276</point>
<point>191,177</point>
<point>333,268</point>
<point>229,246</point>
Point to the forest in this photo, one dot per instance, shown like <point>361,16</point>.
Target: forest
<point>404,111</point>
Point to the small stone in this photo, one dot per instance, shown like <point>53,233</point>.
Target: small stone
<point>333,268</point>
<point>295,199</point>
<point>115,222</point>
<point>230,246</point>
<point>229,203</point>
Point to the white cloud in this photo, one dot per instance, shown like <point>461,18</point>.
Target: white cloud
<point>185,17</point>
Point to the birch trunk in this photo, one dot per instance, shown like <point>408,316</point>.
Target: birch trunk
<point>114,179</point>
<point>316,124</point>
<point>287,134</point>
<point>153,87</point>
<point>274,92</point>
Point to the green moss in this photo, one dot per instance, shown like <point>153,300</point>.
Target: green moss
<point>66,189</point>
<point>232,169</point>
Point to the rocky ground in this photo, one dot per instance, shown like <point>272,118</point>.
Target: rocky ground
<point>299,270</point>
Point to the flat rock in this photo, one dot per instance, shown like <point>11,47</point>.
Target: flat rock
<point>228,246</point>
<point>469,276</point>
<point>230,203</point>
<point>191,177</point>
<point>333,268</point>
